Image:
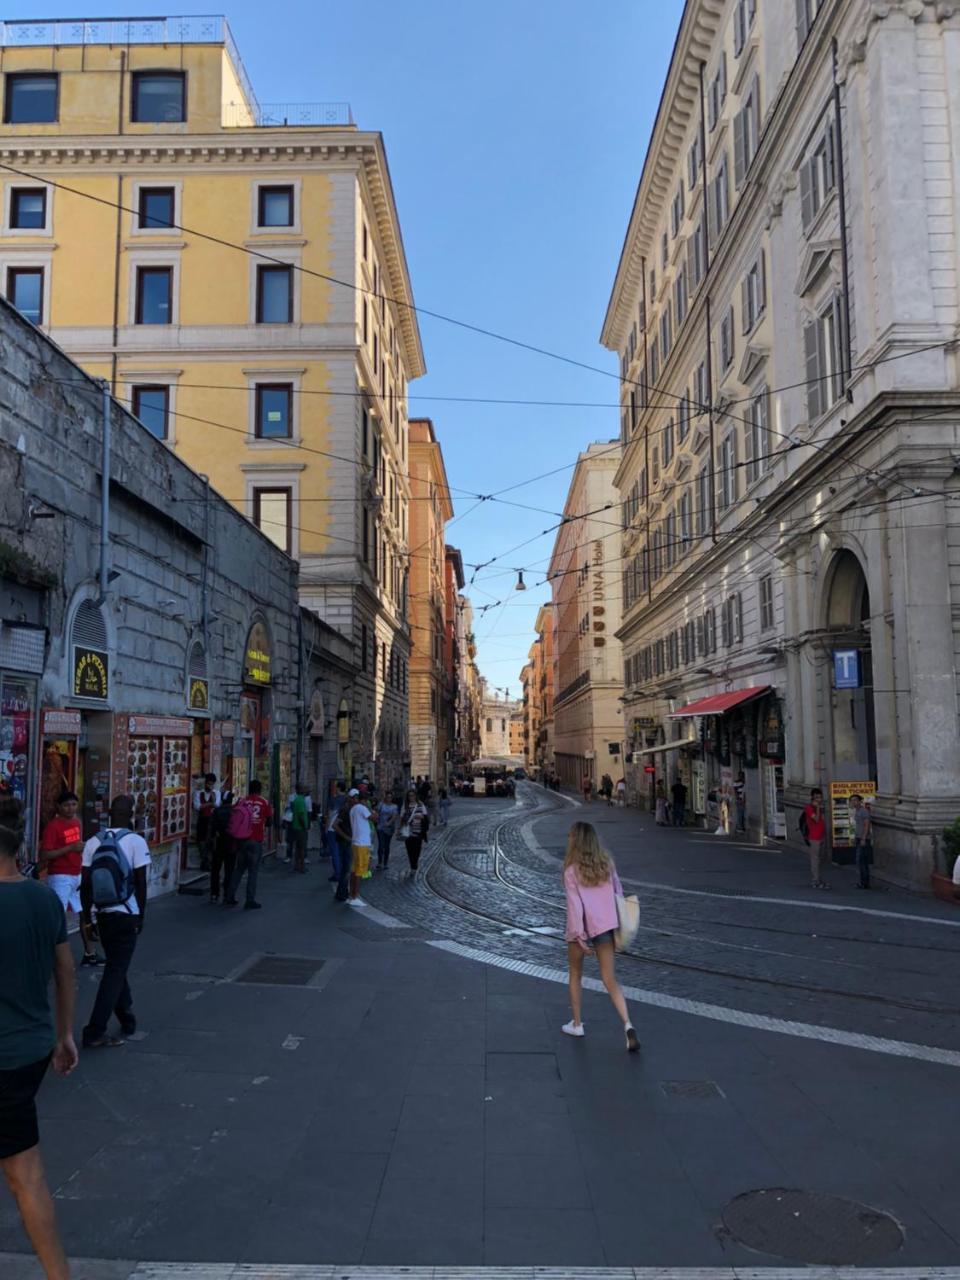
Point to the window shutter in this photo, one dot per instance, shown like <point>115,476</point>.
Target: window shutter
<point>725,624</point>
<point>739,29</point>
<point>748,438</point>
<point>739,148</point>
<point>840,362</point>
<point>803,22</point>
<point>811,352</point>
<point>754,111</point>
<point>830,155</point>
<point>762,282</point>
<point>737,618</point>
<point>692,260</point>
<point>746,320</point>
<point>712,210</point>
<point>723,78</point>
<point>807,210</point>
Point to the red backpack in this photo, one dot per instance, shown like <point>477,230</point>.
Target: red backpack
<point>240,825</point>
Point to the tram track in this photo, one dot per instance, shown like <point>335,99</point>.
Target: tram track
<point>502,919</point>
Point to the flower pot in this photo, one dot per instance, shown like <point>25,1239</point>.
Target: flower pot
<point>944,888</point>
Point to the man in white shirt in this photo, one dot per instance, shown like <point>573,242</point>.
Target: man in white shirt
<point>360,846</point>
<point>119,927</point>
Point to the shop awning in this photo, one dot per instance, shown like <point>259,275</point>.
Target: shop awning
<point>669,746</point>
<point>719,703</point>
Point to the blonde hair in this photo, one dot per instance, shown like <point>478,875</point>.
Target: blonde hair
<point>591,862</point>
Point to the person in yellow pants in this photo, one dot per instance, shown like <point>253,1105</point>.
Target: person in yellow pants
<point>360,833</point>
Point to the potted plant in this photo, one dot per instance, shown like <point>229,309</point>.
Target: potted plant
<point>944,881</point>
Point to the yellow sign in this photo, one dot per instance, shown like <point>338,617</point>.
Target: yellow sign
<point>841,809</point>
<point>256,658</point>
<point>91,674</point>
<point>199,694</point>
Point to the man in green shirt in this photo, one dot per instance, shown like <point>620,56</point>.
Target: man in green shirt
<point>33,946</point>
<point>300,825</point>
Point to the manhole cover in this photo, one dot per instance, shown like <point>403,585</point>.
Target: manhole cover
<point>807,1226</point>
<point>691,1089</point>
<point>281,971</point>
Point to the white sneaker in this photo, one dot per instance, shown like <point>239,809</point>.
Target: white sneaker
<point>573,1028</point>
<point>356,902</point>
<point>633,1041</point>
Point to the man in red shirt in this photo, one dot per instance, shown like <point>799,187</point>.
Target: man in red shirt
<point>815,829</point>
<point>250,849</point>
<point>60,853</point>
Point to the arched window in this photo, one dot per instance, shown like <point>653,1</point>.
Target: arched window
<point>88,629</point>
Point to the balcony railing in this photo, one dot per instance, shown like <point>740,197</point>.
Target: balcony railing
<point>281,115</point>
<point>185,29</point>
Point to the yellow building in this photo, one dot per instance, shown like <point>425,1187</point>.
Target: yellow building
<point>237,274</point>
<point>430,682</point>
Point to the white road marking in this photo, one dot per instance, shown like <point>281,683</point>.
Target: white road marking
<point>532,843</point>
<point>292,1042</point>
<point>719,1013</point>
<point>381,918</point>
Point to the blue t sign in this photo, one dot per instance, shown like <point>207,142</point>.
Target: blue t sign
<point>846,669</point>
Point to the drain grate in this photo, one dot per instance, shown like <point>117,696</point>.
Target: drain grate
<point>808,1226</point>
<point>281,971</point>
<point>691,1089</point>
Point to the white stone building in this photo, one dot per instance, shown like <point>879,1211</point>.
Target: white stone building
<point>786,314</point>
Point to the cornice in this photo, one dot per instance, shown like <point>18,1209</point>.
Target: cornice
<point>679,102</point>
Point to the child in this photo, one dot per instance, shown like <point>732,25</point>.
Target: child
<point>591,883</point>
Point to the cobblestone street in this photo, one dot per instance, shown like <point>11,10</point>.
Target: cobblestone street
<point>404,1096</point>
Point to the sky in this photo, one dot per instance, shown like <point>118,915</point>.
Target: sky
<point>515,132</point>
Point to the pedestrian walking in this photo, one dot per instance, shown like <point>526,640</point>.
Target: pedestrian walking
<point>343,833</point>
<point>223,855</point>
<point>360,838</point>
<point>444,806</point>
<point>586,786</point>
<point>740,800</point>
<point>337,801</point>
<point>678,793</point>
<point>300,826</point>
<point>205,801</point>
<point>33,947</point>
<point>606,788</point>
<point>813,826</point>
<point>622,792</point>
<point>592,887</point>
<point>661,797</point>
<point>388,817</point>
<point>414,825</point>
<point>60,854</point>
<point>248,828</point>
<point>114,885</point>
<point>862,840</point>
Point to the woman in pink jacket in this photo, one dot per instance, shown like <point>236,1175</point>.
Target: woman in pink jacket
<point>592,885</point>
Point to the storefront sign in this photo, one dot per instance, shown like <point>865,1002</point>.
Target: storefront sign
<point>770,733</point>
<point>841,809</point>
<point>199,694</point>
<point>846,669</point>
<point>644,722</point>
<point>159,727</point>
<point>256,656</point>
<point>91,674</point>
<point>62,722</point>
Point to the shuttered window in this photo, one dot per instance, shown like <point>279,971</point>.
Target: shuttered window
<point>818,175</point>
<point>746,134</point>
<point>88,630</point>
<point>753,300</point>
<point>756,437</point>
<point>822,347</point>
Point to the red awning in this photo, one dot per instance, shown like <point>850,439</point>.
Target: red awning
<point>719,703</point>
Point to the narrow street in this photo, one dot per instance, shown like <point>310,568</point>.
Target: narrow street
<point>313,1084</point>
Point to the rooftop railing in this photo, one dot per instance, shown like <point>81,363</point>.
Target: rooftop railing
<point>185,29</point>
<point>274,115</point>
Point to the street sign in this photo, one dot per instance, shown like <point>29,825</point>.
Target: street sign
<point>846,668</point>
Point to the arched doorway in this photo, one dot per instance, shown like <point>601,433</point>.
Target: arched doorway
<point>848,621</point>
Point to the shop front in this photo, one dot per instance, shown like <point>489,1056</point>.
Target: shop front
<point>21,662</point>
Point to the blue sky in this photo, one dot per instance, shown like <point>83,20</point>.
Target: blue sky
<point>515,134</point>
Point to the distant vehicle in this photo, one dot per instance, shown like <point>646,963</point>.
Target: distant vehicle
<point>520,774</point>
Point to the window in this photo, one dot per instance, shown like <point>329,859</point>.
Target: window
<point>653,285</point>
<point>25,292</point>
<point>274,410</point>
<point>703,502</point>
<point>710,631</point>
<point>667,443</point>
<point>366,243</point>
<point>680,295</point>
<point>743,16</point>
<point>685,512</point>
<point>670,538</point>
<point>31,97</point>
<point>654,362</point>
<point>666,331</point>
<point>489,724</point>
<point>766,602</point>
<point>664,250</point>
<point>753,293</point>
<point>696,257</point>
<point>726,339</point>
<point>154,295</point>
<point>746,134</point>
<point>151,405</point>
<point>807,11</point>
<point>28,208</point>
<point>718,212</point>
<point>718,93</point>
<point>274,295</point>
<point>275,207</point>
<point>731,621</point>
<point>694,160</point>
<point>818,175</point>
<point>676,212</point>
<point>823,351</point>
<point>159,97</point>
<point>756,437</point>
<point>683,418</point>
<point>727,479</point>
<point>363,646</point>
<point>156,207</point>
<point>272,514</point>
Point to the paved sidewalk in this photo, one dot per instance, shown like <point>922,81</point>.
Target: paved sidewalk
<point>407,1106</point>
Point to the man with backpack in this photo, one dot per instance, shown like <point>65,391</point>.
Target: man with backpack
<point>114,883</point>
<point>247,826</point>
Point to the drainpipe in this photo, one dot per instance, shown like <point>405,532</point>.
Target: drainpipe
<point>118,237</point>
<point>646,431</point>
<point>842,210</point>
<point>104,495</point>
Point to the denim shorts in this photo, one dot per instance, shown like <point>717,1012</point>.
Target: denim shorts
<point>602,937</point>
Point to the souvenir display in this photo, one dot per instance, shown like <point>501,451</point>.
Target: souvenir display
<point>143,762</point>
<point>176,778</point>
